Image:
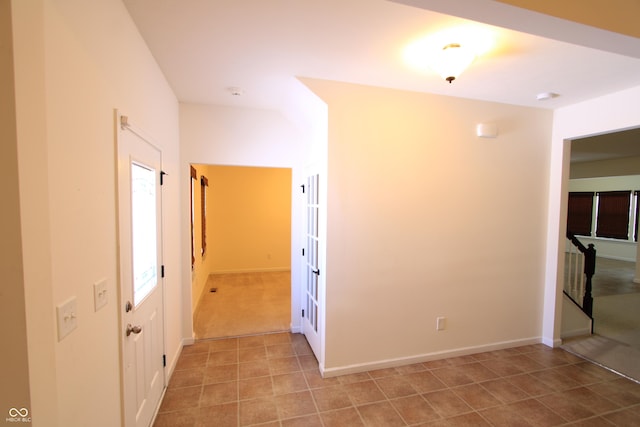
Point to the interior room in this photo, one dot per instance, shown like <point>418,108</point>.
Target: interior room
<point>242,273</point>
<point>428,148</point>
<point>605,166</point>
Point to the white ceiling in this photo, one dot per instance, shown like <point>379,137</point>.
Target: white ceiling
<point>206,46</point>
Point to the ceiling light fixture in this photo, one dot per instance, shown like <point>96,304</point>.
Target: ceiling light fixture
<point>546,95</point>
<point>449,52</point>
<point>235,91</point>
<point>452,60</point>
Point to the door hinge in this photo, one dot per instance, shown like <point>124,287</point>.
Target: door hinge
<point>164,360</point>
<point>302,186</point>
<point>303,312</point>
<point>162,271</point>
<point>162,174</point>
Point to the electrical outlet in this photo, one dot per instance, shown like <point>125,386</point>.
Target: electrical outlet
<point>100,294</point>
<point>67,317</point>
<point>441,323</point>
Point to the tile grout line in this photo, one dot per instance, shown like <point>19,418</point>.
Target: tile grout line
<point>238,383</point>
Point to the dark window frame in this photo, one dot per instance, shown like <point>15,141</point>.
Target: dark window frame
<point>194,177</point>
<point>580,213</point>
<point>612,220</point>
<point>204,183</point>
<point>637,218</point>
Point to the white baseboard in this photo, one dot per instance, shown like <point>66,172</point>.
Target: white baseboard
<point>553,343</point>
<point>392,363</point>
<point>615,258</point>
<point>252,270</point>
<point>176,356</point>
<point>576,333</point>
<point>174,361</point>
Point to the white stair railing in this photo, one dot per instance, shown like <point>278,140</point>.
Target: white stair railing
<point>574,272</point>
<point>580,266</point>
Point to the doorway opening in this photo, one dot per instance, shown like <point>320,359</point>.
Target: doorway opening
<point>141,290</point>
<point>604,168</point>
<point>241,250</point>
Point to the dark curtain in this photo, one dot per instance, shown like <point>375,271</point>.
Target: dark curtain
<point>194,176</point>
<point>613,214</point>
<point>580,213</point>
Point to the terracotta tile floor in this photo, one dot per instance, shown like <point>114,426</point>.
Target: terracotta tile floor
<point>273,380</point>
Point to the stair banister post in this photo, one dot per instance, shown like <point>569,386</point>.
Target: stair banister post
<point>589,270</point>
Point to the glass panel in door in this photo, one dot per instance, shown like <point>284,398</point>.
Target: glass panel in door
<point>143,231</point>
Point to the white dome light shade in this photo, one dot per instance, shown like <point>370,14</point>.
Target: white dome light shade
<point>449,52</point>
<point>451,61</point>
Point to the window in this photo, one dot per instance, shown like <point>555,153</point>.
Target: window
<point>204,183</point>
<point>637,217</point>
<point>607,214</point>
<point>194,178</point>
<point>143,231</point>
<point>613,214</point>
<point>580,213</point>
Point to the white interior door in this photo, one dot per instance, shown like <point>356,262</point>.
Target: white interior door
<point>310,306</point>
<point>141,292</point>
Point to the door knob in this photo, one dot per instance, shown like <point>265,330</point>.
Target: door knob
<point>133,329</point>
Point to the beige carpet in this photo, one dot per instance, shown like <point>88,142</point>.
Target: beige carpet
<point>616,343</point>
<point>618,317</point>
<point>608,353</point>
<point>244,304</point>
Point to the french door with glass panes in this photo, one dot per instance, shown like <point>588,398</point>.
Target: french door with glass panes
<point>311,312</point>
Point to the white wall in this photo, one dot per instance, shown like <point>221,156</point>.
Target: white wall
<point>425,219</point>
<point>77,61</point>
<point>608,113</point>
<point>574,322</point>
<point>241,137</point>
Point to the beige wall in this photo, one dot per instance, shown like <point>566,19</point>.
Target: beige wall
<point>613,167</point>
<point>619,16</point>
<point>425,219</point>
<point>14,369</point>
<point>200,270</point>
<point>250,219</point>
<point>75,63</point>
<point>248,222</point>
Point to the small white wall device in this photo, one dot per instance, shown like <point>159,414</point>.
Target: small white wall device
<point>487,130</point>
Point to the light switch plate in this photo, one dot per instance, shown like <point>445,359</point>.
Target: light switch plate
<point>67,317</point>
<point>100,294</point>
